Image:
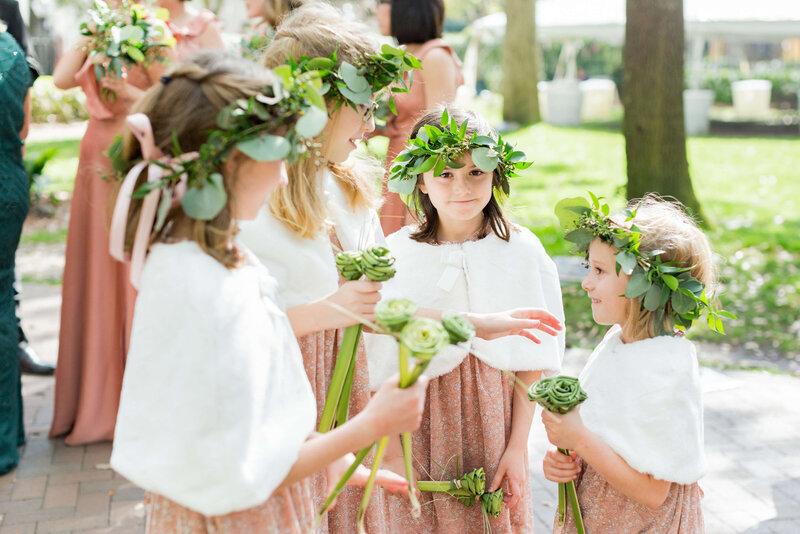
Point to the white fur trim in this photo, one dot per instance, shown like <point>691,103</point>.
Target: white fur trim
<point>645,402</point>
<point>489,275</point>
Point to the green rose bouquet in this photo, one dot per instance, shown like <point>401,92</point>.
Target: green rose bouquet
<point>469,489</point>
<point>560,394</point>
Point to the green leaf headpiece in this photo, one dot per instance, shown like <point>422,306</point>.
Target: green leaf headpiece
<point>437,148</point>
<point>664,288</point>
<point>355,84</point>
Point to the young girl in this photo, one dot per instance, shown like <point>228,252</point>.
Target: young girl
<point>637,441</point>
<point>465,255</point>
<point>97,297</point>
<point>216,410</point>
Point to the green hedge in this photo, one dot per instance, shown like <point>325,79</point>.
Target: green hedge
<point>785,83</point>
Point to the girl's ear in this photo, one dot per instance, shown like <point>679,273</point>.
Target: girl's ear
<point>421,185</point>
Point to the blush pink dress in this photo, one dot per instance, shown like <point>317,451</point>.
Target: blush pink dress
<point>606,510</point>
<point>97,297</point>
<point>188,37</point>
<point>410,107</point>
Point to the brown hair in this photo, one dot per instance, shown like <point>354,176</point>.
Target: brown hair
<point>185,106</point>
<point>665,225</point>
<point>494,220</point>
<point>275,10</point>
<point>417,21</point>
<point>317,29</point>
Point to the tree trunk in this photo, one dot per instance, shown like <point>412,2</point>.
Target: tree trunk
<point>652,88</point>
<point>520,68</point>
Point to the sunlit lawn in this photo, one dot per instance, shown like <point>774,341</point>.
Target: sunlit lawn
<point>749,188</point>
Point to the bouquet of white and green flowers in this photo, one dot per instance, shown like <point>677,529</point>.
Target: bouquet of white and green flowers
<point>126,36</point>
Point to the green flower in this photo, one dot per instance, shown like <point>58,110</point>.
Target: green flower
<point>492,503</point>
<point>393,314</point>
<point>558,394</point>
<point>458,327</point>
<point>424,338</point>
<point>377,263</point>
<point>349,264</point>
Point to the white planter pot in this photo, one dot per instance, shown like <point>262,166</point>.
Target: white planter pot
<point>598,99</point>
<point>696,105</point>
<point>563,102</point>
<point>751,98</point>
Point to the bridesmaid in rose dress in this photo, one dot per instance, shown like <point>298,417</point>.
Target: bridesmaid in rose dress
<point>193,29</point>
<point>97,297</point>
<point>417,25</point>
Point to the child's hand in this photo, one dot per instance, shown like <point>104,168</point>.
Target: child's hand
<point>359,297</point>
<point>512,468</point>
<point>391,482</point>
<point>517,322</point>
<point>393,410</point>
<point>564,431</point>
<point>559,467</point>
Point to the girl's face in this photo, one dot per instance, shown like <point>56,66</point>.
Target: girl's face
<point>383,12</point>
<point>604,286</point>
<point>255,8</point>
<point>346,126</point>
<point>459,195</point>
<point>255,180</point>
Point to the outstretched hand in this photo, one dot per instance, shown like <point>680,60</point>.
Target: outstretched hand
<point>518,322</point>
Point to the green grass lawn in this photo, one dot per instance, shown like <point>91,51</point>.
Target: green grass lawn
<point>749,188</point>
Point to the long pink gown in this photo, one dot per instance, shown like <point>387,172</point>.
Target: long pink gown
<point>410,107</point>
<point>97,296</point>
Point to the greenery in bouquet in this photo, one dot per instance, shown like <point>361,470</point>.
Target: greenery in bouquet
<point>124,37</point>
<point>420,340</point>
<point>468,489</point>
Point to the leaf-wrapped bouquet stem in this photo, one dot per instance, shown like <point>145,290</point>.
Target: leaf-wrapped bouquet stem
<point>420,340</point>
<point>377,264</point>
<point>561,394</point>
<point>468,489</point>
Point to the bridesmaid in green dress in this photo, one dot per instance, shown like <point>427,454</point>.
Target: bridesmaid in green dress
<point>15,80</point>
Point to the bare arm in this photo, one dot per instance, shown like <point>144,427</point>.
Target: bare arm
<point>69,65</point>
<point>441,75</point>
<point>358,297</point>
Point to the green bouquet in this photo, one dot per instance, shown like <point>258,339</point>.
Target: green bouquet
<point>559,395</point>
<point>469,489</point>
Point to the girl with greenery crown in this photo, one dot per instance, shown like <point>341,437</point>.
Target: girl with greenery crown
<point>637,441</point>
<point>467,256</point>
<point>217,415</point>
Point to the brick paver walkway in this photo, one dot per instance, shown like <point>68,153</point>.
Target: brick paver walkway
<point>752,444</point>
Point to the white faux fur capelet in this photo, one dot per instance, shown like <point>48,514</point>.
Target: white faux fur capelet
<point>645,402</point>
<point>488,275</point>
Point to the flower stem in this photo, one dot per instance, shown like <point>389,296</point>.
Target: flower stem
<point>416,510</point>
<point>568,489</point>
<point>360,455</point>
<point>344,398</point>
<point>341,368</point>
<point>376,463</point>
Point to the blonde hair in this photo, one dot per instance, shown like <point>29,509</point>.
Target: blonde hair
<point>665,225</point>
<point>185,106</point>
<point>275,10</point>
<point>318,30</point>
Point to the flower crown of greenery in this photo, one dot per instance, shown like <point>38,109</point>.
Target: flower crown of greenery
<point>438,148</point>
<point>355,84</point>
<point>664,288</point>
<point>290,103</point>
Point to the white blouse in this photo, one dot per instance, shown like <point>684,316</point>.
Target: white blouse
<point>306,267</point>
<point>488,275</point>
<point>645,402</point>
<point>215,401</point>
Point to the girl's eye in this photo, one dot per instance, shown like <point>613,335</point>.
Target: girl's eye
<point>598,270</point>
<point>446,174</point>
<point>476,172</point>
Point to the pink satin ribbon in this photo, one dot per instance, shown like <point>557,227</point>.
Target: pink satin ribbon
<point>140,126</point>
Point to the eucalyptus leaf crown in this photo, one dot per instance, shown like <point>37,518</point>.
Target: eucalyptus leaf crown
<point>438,148</point>
<point>664,288</point>
<point>290,104</point>
<point>355,84</point>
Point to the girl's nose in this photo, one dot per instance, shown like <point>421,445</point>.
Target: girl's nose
<point>368,126</point>
<point>586,284</point>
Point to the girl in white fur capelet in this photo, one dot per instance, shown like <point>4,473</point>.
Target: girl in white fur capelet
<point>466,256</point>
<point>637,441</point>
